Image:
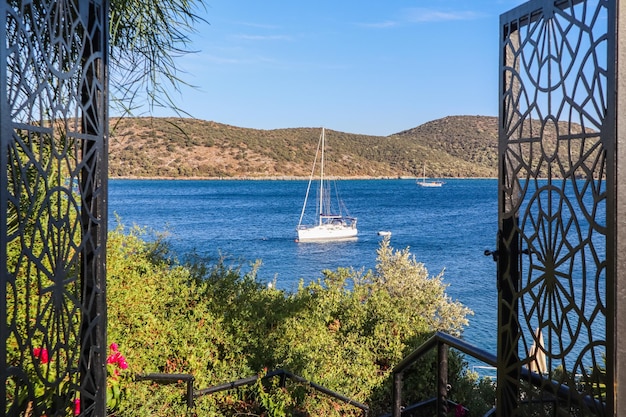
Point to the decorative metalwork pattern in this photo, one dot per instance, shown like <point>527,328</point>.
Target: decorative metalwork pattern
<point>53,197</point>
<point>555,143</point>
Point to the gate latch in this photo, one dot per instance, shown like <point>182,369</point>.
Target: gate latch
<point>492,253</point>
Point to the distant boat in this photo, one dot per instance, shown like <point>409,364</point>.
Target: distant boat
<point>384,233</point>
<point>424,183</point>
<point>330,224</point>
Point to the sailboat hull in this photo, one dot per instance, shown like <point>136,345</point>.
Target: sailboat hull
<point>327,232</point>
<point>430,184</point>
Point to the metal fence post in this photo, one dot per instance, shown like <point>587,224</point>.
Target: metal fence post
<point>397,394</point>
<point>442,379</point>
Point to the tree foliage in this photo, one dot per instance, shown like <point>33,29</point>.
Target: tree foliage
<point>146,38</point>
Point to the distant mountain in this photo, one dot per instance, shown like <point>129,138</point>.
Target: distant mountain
<point>455,146</point>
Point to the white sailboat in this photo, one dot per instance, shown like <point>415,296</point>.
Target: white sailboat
<point>424,183</point>
<point>330,223</point>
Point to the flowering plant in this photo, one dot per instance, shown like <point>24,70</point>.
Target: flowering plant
<point>116,365</point>
<point>46,388</point>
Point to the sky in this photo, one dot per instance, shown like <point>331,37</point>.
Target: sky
<point>366,67</point>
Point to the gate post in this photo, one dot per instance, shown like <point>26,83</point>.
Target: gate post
<point>508,372</point>
<point>617,372</point>
<point>94,192</point>
<point>508,249</point>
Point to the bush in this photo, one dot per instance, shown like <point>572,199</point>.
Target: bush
<point>345,331</point>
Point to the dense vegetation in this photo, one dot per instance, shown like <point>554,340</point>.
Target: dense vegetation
<point>460,146</point>
<point>345,330</point>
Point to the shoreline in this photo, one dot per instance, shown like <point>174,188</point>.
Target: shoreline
<point>294,178</point>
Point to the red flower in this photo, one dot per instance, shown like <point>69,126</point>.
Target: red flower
<point>41,354</point>
<point>76,406</point>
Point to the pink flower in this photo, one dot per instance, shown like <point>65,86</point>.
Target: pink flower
<point>76,406</point>
<point>41,354</point>
<point>116,358</point>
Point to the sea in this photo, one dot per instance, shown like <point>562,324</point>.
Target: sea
<point>448,229</point>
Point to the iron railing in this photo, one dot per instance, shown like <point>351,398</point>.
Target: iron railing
<point>442,342</point>
<point>160,378</point>
<point>556,393</point>
<point>191,394</point>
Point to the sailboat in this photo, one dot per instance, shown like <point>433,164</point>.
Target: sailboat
<point>330,222</point>
<point>424,183</point>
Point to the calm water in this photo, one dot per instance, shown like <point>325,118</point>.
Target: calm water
<point>445,228</point>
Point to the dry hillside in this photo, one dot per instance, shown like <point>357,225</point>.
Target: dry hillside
<point>456,146</point>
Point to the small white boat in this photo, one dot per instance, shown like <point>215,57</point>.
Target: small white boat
<point>384,233</point>
<point>331,224</point>
<point>424,183</point>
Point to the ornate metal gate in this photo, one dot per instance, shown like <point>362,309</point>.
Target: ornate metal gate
<point>557,209</point>
<point>53,188</point>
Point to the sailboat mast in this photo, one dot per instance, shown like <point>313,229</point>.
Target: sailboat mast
<point>322,179</point>
<point>311,178</point>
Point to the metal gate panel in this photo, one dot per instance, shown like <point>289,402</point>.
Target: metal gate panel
<point>53,133</point>
<point>556,182</point>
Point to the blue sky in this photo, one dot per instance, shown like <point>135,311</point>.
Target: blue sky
<point>370,67</point>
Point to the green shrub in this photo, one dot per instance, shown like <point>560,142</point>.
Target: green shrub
<point>345,331</point>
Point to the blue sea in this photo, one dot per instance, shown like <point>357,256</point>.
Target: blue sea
<point>447,229</point>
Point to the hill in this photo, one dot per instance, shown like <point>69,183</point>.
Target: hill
<point>455,146</point>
